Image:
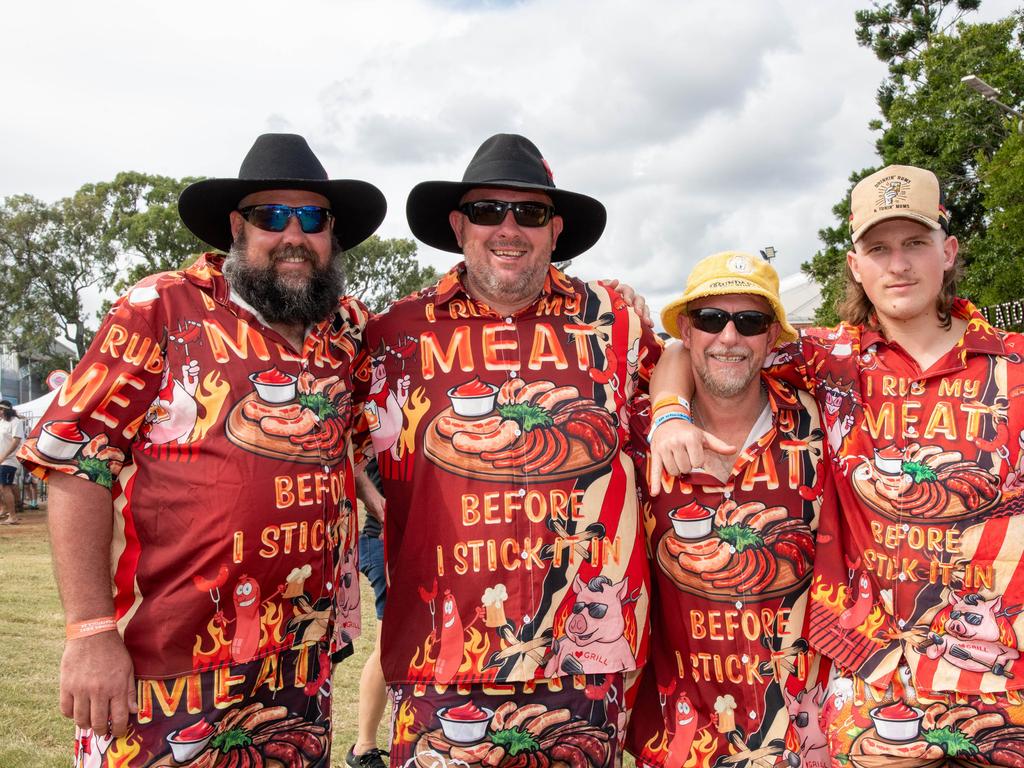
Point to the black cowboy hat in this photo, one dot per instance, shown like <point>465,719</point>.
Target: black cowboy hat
<point>281,161</point>
<point>504,161</point>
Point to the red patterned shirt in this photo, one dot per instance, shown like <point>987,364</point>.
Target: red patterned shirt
<point>731,563</point>
<point>512,533</point>
<point>227,456</point>
<point>923,559</point>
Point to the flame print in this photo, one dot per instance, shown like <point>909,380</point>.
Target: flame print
<point>210,395</point>
<point>415,409</point>
<point>123,751</point>
<point>403,724</point>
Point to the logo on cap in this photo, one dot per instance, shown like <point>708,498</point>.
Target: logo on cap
<point>740,265</point>
<point>892,192</point>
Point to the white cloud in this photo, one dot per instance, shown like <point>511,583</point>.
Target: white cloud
<point>700,126</point>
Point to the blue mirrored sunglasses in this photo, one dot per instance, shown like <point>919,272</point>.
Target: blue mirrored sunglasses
<point>274,218</point>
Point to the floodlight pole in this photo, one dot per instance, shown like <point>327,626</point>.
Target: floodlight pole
<point>992,94</point>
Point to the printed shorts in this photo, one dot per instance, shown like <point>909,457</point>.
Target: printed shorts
<point>577,720</point>
<point>904,728</point>
<point>277,708</point>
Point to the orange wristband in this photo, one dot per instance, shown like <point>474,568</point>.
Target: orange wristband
<point>90,627</point>
<point>664,402</point>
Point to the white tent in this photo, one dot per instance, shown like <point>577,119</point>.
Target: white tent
<point>33,410</point>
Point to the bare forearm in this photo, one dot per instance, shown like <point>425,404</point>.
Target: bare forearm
<point>81,527</point>
<point>673,375</point>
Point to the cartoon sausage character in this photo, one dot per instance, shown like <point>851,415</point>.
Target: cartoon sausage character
<point>854,615</point>
<point>684,721</point>
<point>247,620</point>
<point>449,656</point>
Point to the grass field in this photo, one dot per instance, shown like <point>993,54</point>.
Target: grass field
<point>33,734</point>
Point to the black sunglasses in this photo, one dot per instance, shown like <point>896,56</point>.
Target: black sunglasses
<point>274,218</point>
<point>490,213</point>
<point>596,610</point>
<point>749,322</point>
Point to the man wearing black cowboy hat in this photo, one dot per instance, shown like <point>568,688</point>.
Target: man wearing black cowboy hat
<point>496,402</point>
<point>199,469</point>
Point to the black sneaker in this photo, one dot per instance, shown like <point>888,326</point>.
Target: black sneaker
<point>371,758</point>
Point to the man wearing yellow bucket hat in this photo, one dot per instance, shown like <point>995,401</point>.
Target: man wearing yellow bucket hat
<point>732,541</point>
<point>918,585</point>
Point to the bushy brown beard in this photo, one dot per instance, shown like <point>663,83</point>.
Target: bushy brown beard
<point>277,301</point>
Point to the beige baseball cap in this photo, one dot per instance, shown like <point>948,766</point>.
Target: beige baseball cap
<point>897,192</point>
<point>730,272</point>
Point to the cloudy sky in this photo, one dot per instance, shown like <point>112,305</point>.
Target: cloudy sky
<point>701,126</point>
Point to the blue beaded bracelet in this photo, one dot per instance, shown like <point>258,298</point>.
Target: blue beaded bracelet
<point>659,420</point>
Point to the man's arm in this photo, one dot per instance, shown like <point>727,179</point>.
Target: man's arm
<point>677,445</point>
<point>97,683</point>
<point>367,493</point>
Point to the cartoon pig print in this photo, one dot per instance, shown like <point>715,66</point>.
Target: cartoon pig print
<point>805,718</point>
<point>975,635</point>
<point>593,640</point>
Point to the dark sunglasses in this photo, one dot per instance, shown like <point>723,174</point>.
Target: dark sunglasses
<point>490,213</point>
<point>274,218</point>
<point>749,322</point>
<point>596,610</point>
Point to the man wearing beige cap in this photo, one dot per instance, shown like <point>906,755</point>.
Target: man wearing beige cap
<point>732,542</point>
<point>918,591</point>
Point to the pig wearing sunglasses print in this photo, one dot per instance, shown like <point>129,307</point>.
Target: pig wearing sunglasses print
<point>594,638</point>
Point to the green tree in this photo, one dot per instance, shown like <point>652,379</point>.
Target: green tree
<point>997,262</point>
<point>382,270</point>
<point>51,255</point>
<point>144,224</point>
<point>930,119</point>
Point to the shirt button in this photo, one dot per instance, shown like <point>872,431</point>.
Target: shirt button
<point>753,715</point>
<point>727,494</point>
<point>739,604</point>
<point>744,658</point>
<point>508,320</point>
<point>906,527</point>
<point>523,555</point>
<point>522,491</point>
<point>902,577</point>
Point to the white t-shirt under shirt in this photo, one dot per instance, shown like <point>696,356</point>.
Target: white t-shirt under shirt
<point>11,430</point>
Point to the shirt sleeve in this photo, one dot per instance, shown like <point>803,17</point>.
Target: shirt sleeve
<point>650,348</point>
<point>793,363</point>
<point>90,426</point>
<point>363,414</point>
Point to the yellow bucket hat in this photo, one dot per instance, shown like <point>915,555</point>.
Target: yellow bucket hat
<point>730,272</point>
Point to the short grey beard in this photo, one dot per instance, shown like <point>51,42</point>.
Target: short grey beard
<point>273,298</point>
<point>523,288</point>
<point>725,389</point>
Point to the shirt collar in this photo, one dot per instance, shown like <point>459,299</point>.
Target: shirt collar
<point>453,284</point>
<point>781,396</point>
<point>980,337</point>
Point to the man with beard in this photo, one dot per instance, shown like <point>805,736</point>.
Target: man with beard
<point>496,402</point>
<point>731,541</point>
<point>199,470</point>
